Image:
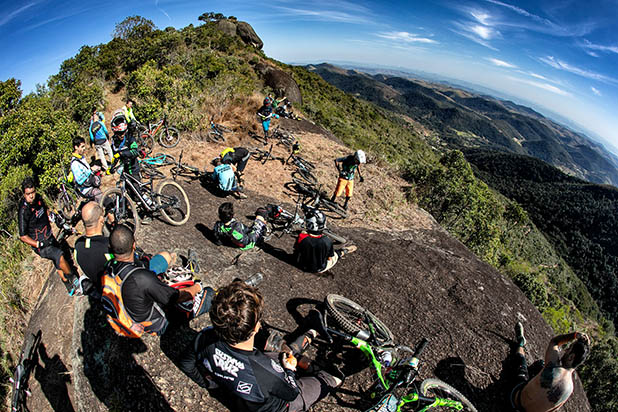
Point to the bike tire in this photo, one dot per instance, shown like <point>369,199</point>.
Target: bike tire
<point>304,188</point>
<point>145,142</point>
<point>302,162</point>
<point>169,137</point>
<point>435,388</point>
<point>216,137</point>
<point>350,317</point>
<point>147,172</point>
<point>27,361</point>
<point>223,129</point>
<point>332,207</point>
<point>66,204</point>
<point>128,214</point>
<point>305,175</point>
<point>177,212</point>
<point>335,237</point>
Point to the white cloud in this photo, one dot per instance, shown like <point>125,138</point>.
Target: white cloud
<point>501,63</point>
<point>4,20</point>
<point>560,65</point>
<point>595,91</point>
<point>538,76</point>
<point>481,16</point>
<point>591,46</point>
<point>161,10</point>
<point>543,86</point>
<point>405,37</point>
<point>483,32</point>
<point>326,15</point>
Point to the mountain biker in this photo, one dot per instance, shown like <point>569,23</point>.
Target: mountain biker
<point>265,113</point>
<point>146,298</point>
<point>313,250</point>
<point>230,229</point>
<point>87,182</point>
<point>100,137</point>
<point>347,166</point>
<point>124,145</point>
<point>127,110</point>
<point>225,356</point>
<point>225,178</point>
<point>553,386</point>
<point>238,157</point>
<point>35,230</point>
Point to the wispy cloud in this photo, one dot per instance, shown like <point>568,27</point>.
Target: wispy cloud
<point>161,10</point>
<point>405,37</point>
<point>561,65</point>
<point>598,47</point>
<point>595,91</point>
<point>501,63</point>
<point>4,20</point>
<point>328,14</point>
<point>544,86</point>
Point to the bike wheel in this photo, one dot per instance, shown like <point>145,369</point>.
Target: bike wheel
<point>169,137</point>
<point>147,172</point>
<point>66,204</point>
<point>306,175</point>
<point>301,162</point>
<point>304,188</point>
<point>333,207</point>
<point>223,129</point>
<point>174,202</point>
<point>145,142</point>
<point>336,238</point>
<point>123,208</point>
<point>435,388</point>
<point>216,137</point>
<point>352,318</point>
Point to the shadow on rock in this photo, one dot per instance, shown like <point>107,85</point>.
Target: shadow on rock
<point>115,377</point>
<point>54,378</point>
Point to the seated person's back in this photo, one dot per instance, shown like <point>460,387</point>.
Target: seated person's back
<point>224,176</point>
<point>313,251</point>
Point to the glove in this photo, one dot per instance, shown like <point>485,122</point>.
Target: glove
<point>116,155</point>
<point>288,361</point>
<point>263,212</point>
<point>361,179</point>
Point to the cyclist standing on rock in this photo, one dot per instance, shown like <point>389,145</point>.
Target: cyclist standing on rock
<point>84,176</point>
<point>314,251</point>
<point>265,113</point>
<point>35,230</point>
<point>553,386</point>
<point>100,137</point>
<point>347,166</point>
<point>127,110</point>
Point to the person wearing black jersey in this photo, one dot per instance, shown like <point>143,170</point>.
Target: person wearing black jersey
<point>230,229</point>
<point>313,250</point>
<point>225,356</point>
<point>124,145</point>
<point>238,157</point>
<point>144,295</point>
<point>347,167</point>
<point>35,230</point>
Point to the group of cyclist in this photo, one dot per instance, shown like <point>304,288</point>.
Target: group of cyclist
<point>131,286</point>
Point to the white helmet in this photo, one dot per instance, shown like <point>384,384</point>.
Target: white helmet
<point>360,156</point>
<point>315,221</point>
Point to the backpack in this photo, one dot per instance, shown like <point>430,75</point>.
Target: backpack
<point>117,315</point>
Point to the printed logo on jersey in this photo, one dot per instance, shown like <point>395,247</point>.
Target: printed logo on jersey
<point>227,363</point>
<point>244,387</point>
<point>276,366</point>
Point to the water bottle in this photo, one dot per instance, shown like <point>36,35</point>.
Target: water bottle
<point>254,279</point>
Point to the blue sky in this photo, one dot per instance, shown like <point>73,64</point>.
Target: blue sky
<point>560,55</point>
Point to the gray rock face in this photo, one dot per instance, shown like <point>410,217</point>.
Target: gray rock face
<point>248,35</point>
<point>283,84</point>
<point>227,27</point>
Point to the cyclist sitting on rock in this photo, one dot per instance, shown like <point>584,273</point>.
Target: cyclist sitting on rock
<point>314,251</point>
<point>143,295</point>
<point>230,229</point>
<point>265,113</point>
<point>553,386</point>
<point>347,166</point>
<point>225,178</point>
<point>35,230</point>
<point>237,157</point>
<point>99,136</point>
<point>84,176</point>
<point>225,356</point>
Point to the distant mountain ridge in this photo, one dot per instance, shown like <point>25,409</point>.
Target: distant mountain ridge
<point>463,119</point>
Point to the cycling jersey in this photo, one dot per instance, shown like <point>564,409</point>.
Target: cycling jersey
<point>265,111</point>
<point>33,221</point>
<point>92,253</point>
<point>224,176</point>
<point>128,114</point>
<point>128,150</point>
<point>81,174</point>
<point>98,132</point>
<point>348,167</point>
<point>237,156</point>
<point>313,251</point>
<point>239,234</point>
<point>260,381</point>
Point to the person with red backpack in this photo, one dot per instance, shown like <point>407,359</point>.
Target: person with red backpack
<point>135,299</point>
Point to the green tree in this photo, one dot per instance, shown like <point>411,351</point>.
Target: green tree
<point>10,93</point>
<point>133,27</point>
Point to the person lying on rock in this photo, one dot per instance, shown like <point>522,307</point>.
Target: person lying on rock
<point>231,230</point>
<point>313,250</point>
<point>225,356</point>
<point>134,297</point>
<point>553,386</point>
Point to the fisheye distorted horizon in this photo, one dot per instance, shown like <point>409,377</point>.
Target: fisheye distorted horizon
<point>561,57</point>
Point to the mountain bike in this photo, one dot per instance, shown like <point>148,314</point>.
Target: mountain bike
<point>123,201</point>
<point>186,170</point>
<point>318,198</point>
<point>68,197</point>
<point>395,367</point>
<point>149,165</point>
<point>285,138</point>
<point>263,156</point>
<point>286,222</point>
<point>28,359</point>
<point>304,169</point>
<point>216,133</point>
<point>167,136</point>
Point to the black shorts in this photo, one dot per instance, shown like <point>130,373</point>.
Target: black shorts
<point>52,252</point>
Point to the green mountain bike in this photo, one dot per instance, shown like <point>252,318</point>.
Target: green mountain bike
<point>395,366</point>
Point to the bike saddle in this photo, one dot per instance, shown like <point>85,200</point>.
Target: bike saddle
<point>315,320</point>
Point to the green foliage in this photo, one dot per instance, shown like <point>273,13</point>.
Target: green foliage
<point>534,289</point>
<point>10,93</point>
<point>599,373</point>
<point>211,16</point>
<point>133,27</point>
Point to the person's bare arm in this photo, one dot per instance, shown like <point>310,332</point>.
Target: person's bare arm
<point>552,354</point>
<point>29,241</point>
<point>189,292</point>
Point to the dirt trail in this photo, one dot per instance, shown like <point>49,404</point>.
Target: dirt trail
<point>407,270</point>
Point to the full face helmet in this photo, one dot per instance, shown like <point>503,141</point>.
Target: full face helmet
<point>360,157</point>
<point>315,221</point>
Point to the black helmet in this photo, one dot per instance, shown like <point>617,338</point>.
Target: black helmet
<point>315,221</point>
